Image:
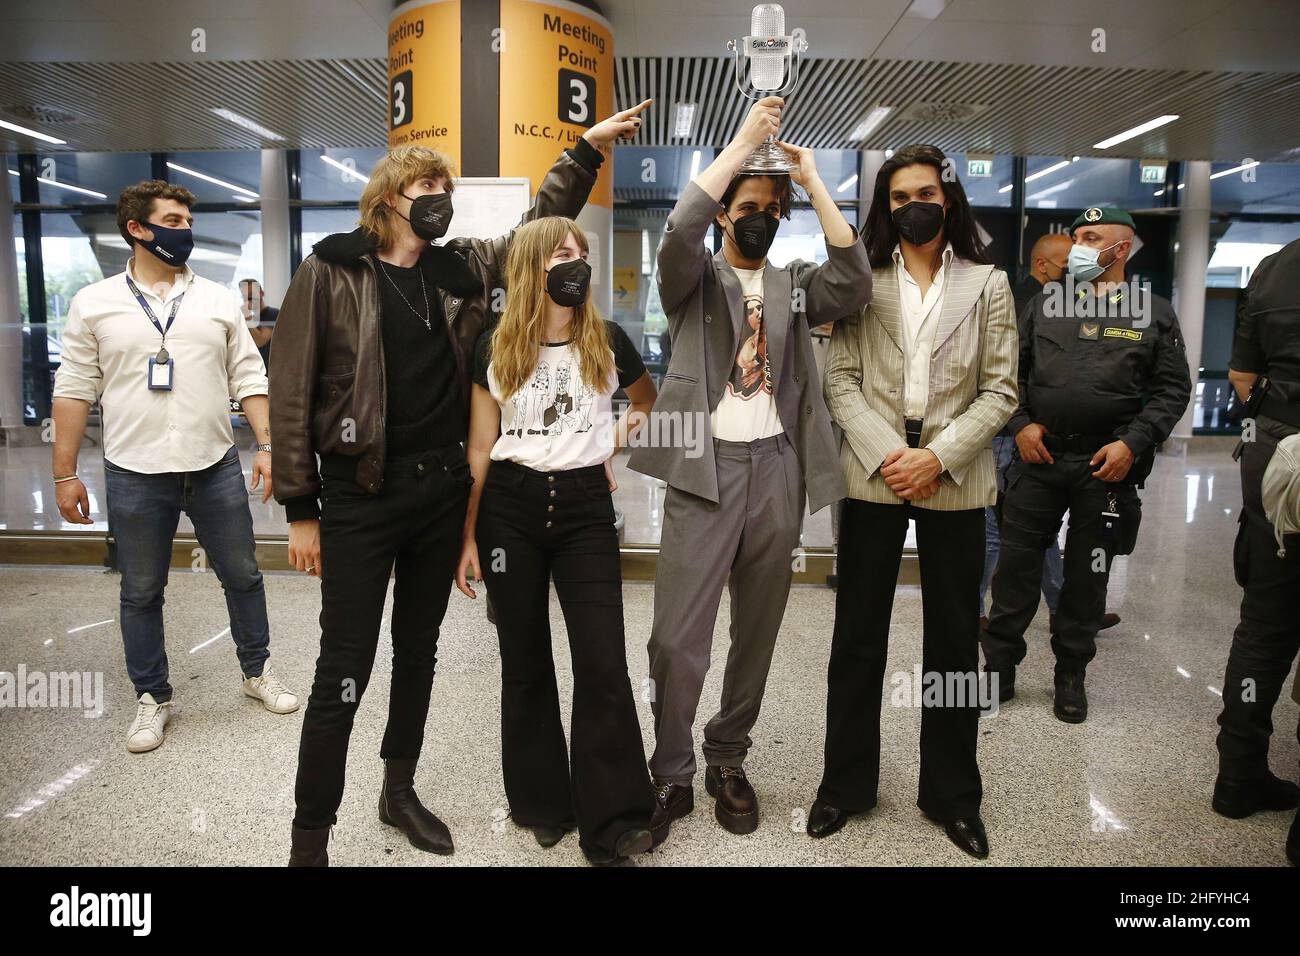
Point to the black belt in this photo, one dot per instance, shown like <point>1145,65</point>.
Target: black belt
<point>1288,413</point>
<point>912,427</point>
<point>1075,444</point>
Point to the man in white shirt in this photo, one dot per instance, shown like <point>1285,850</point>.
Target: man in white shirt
<point>164,351</point>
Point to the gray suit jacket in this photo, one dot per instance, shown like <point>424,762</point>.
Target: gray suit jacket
<point>702,298</point>
<point>972,386</point>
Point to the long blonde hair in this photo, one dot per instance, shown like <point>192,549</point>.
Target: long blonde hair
<point>519,335</point>
<point>394,172</point>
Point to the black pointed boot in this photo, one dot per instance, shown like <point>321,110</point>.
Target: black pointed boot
<point>310,847</point>
<point>400,807</point>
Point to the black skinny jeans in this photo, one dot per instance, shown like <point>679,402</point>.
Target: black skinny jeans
<point>534,526</point>
<point>414,525</point>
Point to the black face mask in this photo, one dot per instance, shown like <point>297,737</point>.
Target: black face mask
<point>567,282</point>
<point>430,215</point>
<point>919,222</point>
<point>172,246</point>
<point>753,234</point>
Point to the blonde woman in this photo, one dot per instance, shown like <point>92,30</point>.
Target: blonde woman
<point>541,509</point>
<point>370,377</point>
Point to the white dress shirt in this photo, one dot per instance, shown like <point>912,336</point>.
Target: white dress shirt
<point>107,343</point>
<point>920,320</point>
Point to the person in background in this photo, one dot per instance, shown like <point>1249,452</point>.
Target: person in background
<point>743,373</point>
<point>371,372</point>
<point>919,383</point>
<point>164,350</point>
<point>255,308</point>
<point>1103,380</point>
<point>1265,358</point>
<point>541,446</point>
<point>1047,261</point>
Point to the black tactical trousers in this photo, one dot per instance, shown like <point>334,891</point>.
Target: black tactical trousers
<point>1266,640</point>
<point>1037,497</point>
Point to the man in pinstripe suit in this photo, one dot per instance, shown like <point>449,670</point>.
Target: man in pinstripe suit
<point>919,383</point>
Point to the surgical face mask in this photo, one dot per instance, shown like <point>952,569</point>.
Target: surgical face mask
<point>1083,262</point>
<point>172,246</point>
<point>567,282</point>
<point>754,234</point>
<point>918,222</point>
<point>430,215</point>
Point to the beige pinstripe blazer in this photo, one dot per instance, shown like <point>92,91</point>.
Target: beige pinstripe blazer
<point>972,385</point>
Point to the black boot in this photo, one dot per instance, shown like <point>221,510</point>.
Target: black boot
<point>1238,799</point>
<point>310,847</point>
<point>1071,704</point>
<point>400,807</point>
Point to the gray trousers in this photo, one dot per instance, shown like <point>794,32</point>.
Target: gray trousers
<point>746,540</point>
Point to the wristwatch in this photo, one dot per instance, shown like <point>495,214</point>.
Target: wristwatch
<point>266,448</point>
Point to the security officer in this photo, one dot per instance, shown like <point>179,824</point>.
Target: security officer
<point>1265,371</point>
<point>1103,380</point>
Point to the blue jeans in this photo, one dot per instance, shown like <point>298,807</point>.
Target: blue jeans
<point>1053,566</point>
<point>143,512</point>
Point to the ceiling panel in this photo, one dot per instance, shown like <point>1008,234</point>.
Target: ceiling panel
<point>1045,109</point>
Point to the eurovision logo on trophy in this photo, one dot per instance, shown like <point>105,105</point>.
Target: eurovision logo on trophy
<point>774,59</point>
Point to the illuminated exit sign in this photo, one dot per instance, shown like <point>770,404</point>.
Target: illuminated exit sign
<point>1153,171</point>
<point>979,165</point>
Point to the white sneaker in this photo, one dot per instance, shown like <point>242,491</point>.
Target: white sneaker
<point>150,725</point>
<point>268,688</point>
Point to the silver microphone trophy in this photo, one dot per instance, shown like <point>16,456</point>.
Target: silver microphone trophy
<point>773,56</point>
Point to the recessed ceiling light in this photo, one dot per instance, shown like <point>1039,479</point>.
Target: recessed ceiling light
<point>31,132</point>
<point>211,179</point>
<point>868,125</point>
<point>1235,169</point>
<point>251,125</point>
<point>344,167</point>
<point>684,118</point>
<point>1136,131</point>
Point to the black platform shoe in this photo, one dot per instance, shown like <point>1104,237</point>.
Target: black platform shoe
<point>310,847</point>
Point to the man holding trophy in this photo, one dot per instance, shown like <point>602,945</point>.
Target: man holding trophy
<point>743,363</point>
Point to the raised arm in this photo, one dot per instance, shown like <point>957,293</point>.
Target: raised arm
<point>566,188</point>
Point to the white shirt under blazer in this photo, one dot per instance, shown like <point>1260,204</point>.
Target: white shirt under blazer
<point>107,343</point>
<point>970,389</point>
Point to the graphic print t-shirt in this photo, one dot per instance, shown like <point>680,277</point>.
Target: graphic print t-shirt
<point>747,411</point>
<point>556,421</point>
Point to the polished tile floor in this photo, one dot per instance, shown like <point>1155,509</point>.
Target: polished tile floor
<point>1131,786</point>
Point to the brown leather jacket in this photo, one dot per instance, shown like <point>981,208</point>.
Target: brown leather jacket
<point>327,390</point>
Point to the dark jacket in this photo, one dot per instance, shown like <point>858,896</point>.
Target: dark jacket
<point>327,387</point>
<point>1117,375</point>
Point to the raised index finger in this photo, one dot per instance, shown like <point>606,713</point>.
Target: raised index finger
<point>633,110</point>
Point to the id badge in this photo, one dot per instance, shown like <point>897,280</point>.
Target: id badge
<point>160,374</point>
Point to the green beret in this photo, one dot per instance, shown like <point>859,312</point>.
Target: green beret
<point>1103,216</point>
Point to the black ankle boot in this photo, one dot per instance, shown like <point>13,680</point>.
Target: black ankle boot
<point>310,847</point>
<point>400,807</point>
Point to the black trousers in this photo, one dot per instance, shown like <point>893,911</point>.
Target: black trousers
<point>413,527</point>
<point>1267,638</point>
<point>1036,500</point>
<point>950,545</point>
<point>534,527</point>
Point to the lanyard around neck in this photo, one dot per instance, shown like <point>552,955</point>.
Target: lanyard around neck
<point>163,330</point>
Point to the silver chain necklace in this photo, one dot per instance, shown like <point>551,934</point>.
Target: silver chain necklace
<point>427,318</point>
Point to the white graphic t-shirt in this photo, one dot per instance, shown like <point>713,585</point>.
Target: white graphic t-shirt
<point>747,411</point>
<point>556,421</point>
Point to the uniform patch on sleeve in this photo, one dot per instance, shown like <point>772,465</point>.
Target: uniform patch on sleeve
<point>1133,335</point>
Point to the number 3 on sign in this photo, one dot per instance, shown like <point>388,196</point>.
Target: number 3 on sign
<point>399,100</point>
<point>577,97</point>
